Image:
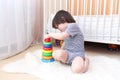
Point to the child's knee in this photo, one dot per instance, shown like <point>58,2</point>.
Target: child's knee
<point>77,65</point>
<point>56,55</point>
<point>76,69</point>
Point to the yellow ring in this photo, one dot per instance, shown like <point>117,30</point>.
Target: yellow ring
<point>47,57</point>
<point>47,51</point>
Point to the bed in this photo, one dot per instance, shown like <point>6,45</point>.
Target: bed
<point>99,20</point>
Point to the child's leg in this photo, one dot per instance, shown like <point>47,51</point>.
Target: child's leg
<point>60,55</point>
<point>79,65</point>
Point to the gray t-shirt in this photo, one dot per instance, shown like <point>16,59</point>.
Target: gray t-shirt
<point>75,42</point>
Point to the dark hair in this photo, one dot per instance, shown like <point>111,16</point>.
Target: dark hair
<point>62,16</point>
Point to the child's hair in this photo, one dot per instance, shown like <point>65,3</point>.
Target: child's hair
<point>62,16</point>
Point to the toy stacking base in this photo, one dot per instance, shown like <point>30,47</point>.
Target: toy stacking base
<point>47,61</point>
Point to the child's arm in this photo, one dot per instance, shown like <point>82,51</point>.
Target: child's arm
<point>59,36</point>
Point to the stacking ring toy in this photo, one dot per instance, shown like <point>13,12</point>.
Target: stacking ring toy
<point>47,43</point>
<point>46,54</point>
<point>47,48</point>
<point>47,61</point>
<point>47,57</point>
<point>47,51</point>
<point>47,40</point>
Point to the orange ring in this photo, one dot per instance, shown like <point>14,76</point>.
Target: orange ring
<point>47,57</point>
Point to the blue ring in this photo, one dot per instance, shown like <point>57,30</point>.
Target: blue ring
<point>47,46</point>
<point>48,61</point>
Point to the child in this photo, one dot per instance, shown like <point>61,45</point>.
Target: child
<point>72,51</point>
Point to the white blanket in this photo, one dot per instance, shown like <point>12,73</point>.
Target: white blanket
<point>101,68</point>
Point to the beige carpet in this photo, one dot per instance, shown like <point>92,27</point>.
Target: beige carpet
<point>101,68</point>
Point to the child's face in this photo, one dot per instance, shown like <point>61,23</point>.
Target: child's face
<point>62,26</point>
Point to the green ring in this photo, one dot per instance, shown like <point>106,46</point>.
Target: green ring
<point>46,54</point>
<point>47,43</point>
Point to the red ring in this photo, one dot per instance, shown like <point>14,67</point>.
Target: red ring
<point>47,48</point>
